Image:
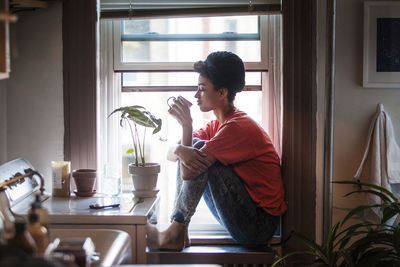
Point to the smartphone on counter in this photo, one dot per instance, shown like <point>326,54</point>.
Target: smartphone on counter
<point>105,204</point>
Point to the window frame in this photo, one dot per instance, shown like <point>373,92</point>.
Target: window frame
<point>210,233</point>
<point>120,66</point>
<point>298,72</point>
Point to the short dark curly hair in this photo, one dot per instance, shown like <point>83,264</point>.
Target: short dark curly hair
<point>225,70</point>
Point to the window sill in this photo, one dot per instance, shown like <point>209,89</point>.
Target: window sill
<point>226,255</point>
<point>212,234</point>
<point>206,234</point>
<point>210,239</point>
<point>213,244</point>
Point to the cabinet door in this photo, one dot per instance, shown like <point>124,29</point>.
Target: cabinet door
<point>4,40</point>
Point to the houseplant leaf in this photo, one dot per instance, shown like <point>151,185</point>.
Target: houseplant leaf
<point>330,240</point>
<point>130,151</point>
<point>379,188</point>
<point>357,210</point>
<point>138,116</point>
<point>364,243</point>
<point>317,249</point>
<point>377,193</point>
<point>352,231</point>
<point>281,260</point>
<point>125,109</point>
<point>389,210</point>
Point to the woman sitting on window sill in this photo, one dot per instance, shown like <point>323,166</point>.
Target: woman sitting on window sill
<point>231,162</point>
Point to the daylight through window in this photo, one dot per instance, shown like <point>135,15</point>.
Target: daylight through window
<point>155,60</point>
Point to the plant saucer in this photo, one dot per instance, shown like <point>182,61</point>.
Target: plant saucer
<point>145,193</point>
<point>85,194</point>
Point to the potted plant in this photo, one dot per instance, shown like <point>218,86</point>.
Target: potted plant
<point>361,244</point>
<point>144,174</point>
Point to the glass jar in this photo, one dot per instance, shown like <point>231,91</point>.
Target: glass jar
<point>61,178</point>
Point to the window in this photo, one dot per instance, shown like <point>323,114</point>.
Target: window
<point>175,43</point>
<point>154,58</point>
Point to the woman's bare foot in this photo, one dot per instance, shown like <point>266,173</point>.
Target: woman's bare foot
<point>172,239</point>
<point>152,237</point>
<point>187,239</point>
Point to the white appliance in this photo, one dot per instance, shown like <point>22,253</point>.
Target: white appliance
<point>74,212</point>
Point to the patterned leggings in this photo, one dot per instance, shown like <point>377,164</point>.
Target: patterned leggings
<point>229,202</point>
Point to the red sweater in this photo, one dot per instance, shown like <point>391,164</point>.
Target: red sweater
<point>243,144</point>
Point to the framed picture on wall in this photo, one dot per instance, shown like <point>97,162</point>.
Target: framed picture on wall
<point>381,68</point>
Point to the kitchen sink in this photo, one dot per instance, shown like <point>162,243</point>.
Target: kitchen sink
<point>113,246</point>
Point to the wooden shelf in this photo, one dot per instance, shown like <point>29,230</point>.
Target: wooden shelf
<point>7,8</point>
<point>28,5</point>
<point>5,18</point>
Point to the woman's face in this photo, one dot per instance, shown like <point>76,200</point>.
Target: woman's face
<point>207,97</point>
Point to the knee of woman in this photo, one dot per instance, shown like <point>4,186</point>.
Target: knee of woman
<point>220,170</point>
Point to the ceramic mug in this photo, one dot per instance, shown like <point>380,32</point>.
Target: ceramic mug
<point>172,99</point>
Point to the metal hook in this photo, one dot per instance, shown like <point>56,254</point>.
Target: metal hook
<point>251,7</point>
<point>130,12</point>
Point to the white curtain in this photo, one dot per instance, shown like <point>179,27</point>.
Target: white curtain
<point>108,99</point>
<point>272,83</point>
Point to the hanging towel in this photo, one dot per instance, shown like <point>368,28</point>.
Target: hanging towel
<point>384,154</point>
<point>383,150</point>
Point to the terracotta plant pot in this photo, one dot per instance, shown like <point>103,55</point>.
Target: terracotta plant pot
<point>85,179</point>
<point>144,177</point>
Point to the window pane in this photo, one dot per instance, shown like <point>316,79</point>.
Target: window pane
<point>187,51</point>
<point>239,24</point>
<point>190,51</point>
<point>160,79</point>
<point>156,102</point>
<point>174,78</point>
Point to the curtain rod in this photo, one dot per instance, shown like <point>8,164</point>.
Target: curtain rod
<point>238,10</point>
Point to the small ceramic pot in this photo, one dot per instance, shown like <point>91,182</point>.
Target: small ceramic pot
<point>85,179</point>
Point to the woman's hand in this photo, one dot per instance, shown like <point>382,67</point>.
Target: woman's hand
<point>180,110</point>
<point>193,159</point>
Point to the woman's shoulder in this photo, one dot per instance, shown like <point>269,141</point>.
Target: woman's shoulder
<point>241,118</point>
<point>236,115</point>
<point>244,123</point>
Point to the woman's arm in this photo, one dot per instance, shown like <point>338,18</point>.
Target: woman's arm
<point>171,153</point>
<point>181,112</point>
<point>193,161</point>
